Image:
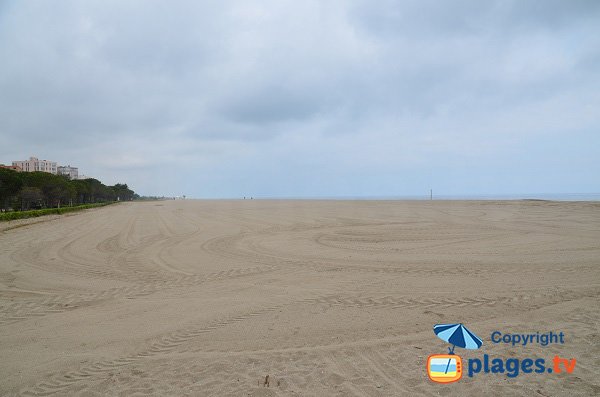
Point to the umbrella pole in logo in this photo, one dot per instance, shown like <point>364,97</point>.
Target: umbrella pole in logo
<point>450,351</point>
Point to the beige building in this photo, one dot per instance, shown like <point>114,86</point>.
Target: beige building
<point>71,172</point>
<point>34,164</point>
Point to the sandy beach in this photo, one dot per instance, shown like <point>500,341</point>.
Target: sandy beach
<point>328,298</point>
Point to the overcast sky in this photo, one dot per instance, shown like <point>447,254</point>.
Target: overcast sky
<point>307,98</point>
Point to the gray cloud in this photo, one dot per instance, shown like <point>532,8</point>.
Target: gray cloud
<point>353,94</point>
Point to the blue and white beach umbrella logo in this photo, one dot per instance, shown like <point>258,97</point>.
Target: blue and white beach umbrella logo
<point>457,335</point>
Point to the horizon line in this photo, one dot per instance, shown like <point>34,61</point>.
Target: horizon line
<point>414,197</point>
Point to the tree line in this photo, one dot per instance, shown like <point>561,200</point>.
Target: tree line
<point>35,190</point>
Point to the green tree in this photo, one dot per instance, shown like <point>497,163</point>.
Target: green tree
<point>10,185</point>
<point>30,196</point>
<point>42,189</point>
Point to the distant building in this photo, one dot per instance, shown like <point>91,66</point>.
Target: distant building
<point>34,164</point>
<point>83,177</point>
<point>11,167</point>
<point>71,172</point>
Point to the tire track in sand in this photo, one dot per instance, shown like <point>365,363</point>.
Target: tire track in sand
<point>171,341</point>
<point>18,311</point>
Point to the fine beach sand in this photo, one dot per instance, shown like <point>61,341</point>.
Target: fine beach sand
<point>328,298</point>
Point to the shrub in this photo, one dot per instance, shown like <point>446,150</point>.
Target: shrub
<point>9,216</point>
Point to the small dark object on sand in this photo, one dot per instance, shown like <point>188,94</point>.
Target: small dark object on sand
<point>267,383</point>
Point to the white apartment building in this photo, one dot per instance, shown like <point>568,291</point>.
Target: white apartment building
<point>71,172</point>
<point>34,164</point>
